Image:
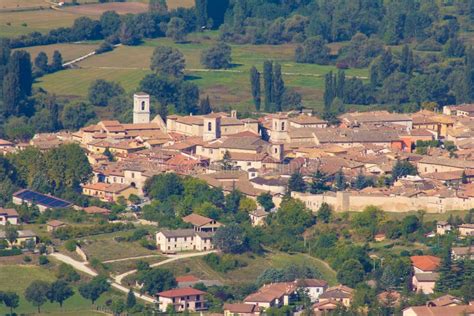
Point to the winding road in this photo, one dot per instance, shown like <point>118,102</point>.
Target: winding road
<point>117,280</point>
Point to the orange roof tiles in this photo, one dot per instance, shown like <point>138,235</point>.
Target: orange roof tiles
<point>425,263</point>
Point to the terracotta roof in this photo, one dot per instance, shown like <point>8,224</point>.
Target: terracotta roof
<point>441,311</point>
<point>177,233</point>
<point>10,212</point>
<point>444,300</point>
<point>5,143</point>
<point>181,292</point>
<point>270,292</point>
<point>197,220</point>
<point>55,223</point>
<point>425,263</point>
<point>337,292</point>
<point>187,278</point>
<point>96,210</point>
<point>240,308</point>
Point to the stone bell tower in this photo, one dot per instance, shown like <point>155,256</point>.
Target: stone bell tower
<point>141,108</point>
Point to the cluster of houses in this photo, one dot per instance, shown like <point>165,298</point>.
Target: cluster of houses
<point>259,155</point>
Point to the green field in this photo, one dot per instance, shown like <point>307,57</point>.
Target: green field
<point>68,51</point>
<point>129,64</point>
<point>17,278</point>
<point>255,266</point>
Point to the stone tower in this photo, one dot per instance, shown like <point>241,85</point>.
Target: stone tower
<point>212,127</point>
<point>141,108</point>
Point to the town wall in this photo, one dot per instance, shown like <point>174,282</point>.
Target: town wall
<point>346,201</point>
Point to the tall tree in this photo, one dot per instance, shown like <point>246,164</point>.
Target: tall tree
<point>340,181</point>
<point>59,292</point>
<point>340,83</point>
<point>205,106</point>
<point>255,87</point>
<point>158,6</point>
<point>41,62</point>
<point>11,300</point>
<point>36,293</point>
<point>268,83</point>
<point>94,289</point>
<point>176,29</point>
<point>168,61</point>
<point>57,63</point>
<point>406,60</point>
<point>278,88</point>
<point>329,91</point>
<point>200,6</point>
<point>131,299</point>
<point>296,183</point>
<point>4,57</point>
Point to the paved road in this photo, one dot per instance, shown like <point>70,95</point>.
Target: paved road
<point>120,277</point>
<point>82,266</point>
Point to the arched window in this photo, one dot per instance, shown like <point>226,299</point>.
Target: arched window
<point>276,150</point>
<point>143,105</point>
<point>209,126</point>
<point>282,126</point>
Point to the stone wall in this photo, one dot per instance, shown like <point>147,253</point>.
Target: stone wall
<point>347,201</point>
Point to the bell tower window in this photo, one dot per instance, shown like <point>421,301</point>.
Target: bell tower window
<point>143,105</point>
<point>209,126</point>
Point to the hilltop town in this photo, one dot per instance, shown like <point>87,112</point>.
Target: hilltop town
<point>237,157</point>
<point>374,163</point>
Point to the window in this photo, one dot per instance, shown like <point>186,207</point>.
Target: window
<point>209,126</point>
<point>276,150</point>
<point>143,105</point>
<point>282,126</point>
<point>249,163</point>
<point>133,175</point>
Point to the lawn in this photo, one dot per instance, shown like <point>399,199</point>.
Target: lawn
<point>255,266</point>
<point>17,278</point>
<point>68,51</point>
<point>104,247</point>
<point>120,267</point>
<point>129,64</point>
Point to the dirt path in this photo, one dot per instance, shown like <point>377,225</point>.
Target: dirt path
<point>131,258</point>
<point>120,277</point>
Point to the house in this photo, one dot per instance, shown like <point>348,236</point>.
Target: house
<point>460,253</point>
<point>325,307</point>
<point>273,295</point>
<point>340,294</point>
<point>8,215</point>
<point>53,225</point>
<point>442,227</point>
<point>315,287</point>
<point>95,210</point>
<point>440,164</point>
<point>182,299</point>
<point>42,201</point>
<point>108,192</point>
<point>171,241</point>
<point>376,118</point>
<point>241,309</point>
<point>425,264</point>
<point>466,230</point>
<point>465,310</point>
<point>425,282</point>
<point>23,237</point>
<point>445,300</point>
<point>257,217</point>
<point>202,223</point>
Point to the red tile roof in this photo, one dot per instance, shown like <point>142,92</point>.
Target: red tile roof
<point>425,263</point>
<point>186,278</point>
<point>181,292</point>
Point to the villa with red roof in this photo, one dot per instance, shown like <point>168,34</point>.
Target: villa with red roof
<point>182,299</point>
<point>425,277</point>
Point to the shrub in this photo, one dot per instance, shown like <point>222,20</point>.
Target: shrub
<point>223,263</point>
<point>70,245</point>
<point>10,252</point>
<point>42,260</point>
<point>27,258</point>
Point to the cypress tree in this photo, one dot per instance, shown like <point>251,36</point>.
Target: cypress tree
<point>131,299</point>
<point>57,63</point>
<point>4,57</point>
<point>406,65</point>
<point>329,93</point>
<point>201,13</point>
<point>11,95</point>
<point>268,84</point>
<point>205,106</point>
<point>41,62</point>
<point>278,88</point>
<point>255,86</point>
<point>340,82</point>
<point>20,66</point>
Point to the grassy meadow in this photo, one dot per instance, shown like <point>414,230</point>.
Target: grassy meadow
<point>255,266</point>
<point>68,51</point>
<point>127,65</point>
<point>18,277</point>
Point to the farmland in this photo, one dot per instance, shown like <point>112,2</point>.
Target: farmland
<point>227,87</point>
